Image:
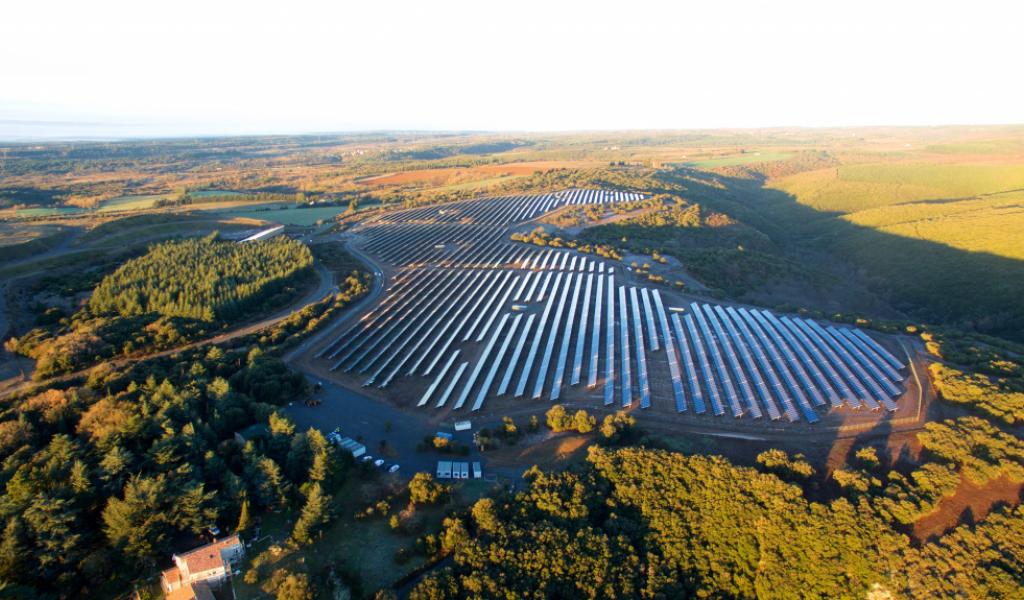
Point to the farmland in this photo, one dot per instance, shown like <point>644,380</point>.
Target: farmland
<point>285,214</point>
<point>454,175</point>
<point>741,159</point>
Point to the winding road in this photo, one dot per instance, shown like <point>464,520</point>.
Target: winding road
<point>325,287</point>
<point>350,312</point>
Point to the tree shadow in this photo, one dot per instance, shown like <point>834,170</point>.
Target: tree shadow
<point>927,281</point>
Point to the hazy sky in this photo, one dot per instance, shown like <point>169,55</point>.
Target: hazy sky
<point>72,68</point>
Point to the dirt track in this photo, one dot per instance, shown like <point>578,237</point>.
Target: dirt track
<point>325,286</point>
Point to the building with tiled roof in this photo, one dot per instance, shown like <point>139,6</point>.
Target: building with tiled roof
<point>197,571</point>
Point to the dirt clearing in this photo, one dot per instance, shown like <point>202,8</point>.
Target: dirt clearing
<point>969,504</point>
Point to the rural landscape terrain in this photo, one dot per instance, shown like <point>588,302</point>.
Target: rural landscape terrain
<point>736,363</point>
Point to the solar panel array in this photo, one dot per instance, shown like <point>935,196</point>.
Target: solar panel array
<point>469,233</point>
<point>473,317</point>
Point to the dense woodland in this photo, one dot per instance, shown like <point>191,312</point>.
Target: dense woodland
<point>176,292</point>
<point>202,279</point>
<point>103,478</point>
<point>636,523</point>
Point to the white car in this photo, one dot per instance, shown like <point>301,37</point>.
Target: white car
<point>392,468</point>
<point>379,462</point>
<point>367,458</point>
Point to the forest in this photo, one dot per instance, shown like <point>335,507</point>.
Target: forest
<point>177,291</point>
<point>103,477</point>
<point>202,279</point>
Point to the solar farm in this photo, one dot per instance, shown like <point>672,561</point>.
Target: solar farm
<point>471,319</point>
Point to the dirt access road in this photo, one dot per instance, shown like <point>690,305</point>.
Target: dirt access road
<point>325,287</point>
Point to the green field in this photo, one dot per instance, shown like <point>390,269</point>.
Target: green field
<point>991,224</point>
<point>52,211</point>
<point>739,159</point>
<point>938,239</point>
<point>285,214</point>
<point>131,202</point>
<point>142,202</point>
<point>852,188</point>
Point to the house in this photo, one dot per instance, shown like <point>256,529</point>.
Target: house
<point>196,572</point>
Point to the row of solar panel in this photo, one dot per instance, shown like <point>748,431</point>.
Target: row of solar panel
<point>502,210</point>
<point>748,362</point>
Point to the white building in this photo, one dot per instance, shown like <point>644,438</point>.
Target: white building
<point>197,572</point>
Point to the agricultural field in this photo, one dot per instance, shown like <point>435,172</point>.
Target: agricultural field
<point>285,214</point>
<point>740,159</point>
<point>921,228</point>
<point>848,189</point>
<point>454,175</point>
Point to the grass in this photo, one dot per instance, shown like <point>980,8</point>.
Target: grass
<point>119,204</point>
<point>124,203</point>
<point>479,184</point>
<point>19,241</point>
<point>53,211</point>
<point>145,201</point>
<point>938,239</point>
<point>986,147</point>
<point>365,547</point>
<point>852,188</point>
<point>739,159</point>
<point>13,235</point>
<point>971,207</point>
<point>992,224</point>
<point>286,215</point>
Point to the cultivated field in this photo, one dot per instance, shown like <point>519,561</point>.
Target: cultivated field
<point>454,175</point>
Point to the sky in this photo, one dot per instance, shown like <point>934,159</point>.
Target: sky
<point>127,69</point>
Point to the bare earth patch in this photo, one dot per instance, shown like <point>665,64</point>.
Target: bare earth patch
<point>969,504</point>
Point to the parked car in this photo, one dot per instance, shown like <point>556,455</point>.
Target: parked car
<point>367,458</point>
<point>393,468</point>
<point>379,462</point>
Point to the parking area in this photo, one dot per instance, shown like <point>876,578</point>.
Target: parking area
<point>386,431</point>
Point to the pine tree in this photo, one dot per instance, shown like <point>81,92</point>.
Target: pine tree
<point>314,515</point>
<point>79,478</point>
<point>12,551</point>
<point>244,520</point>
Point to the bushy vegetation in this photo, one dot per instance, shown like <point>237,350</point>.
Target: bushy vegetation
<point>642,523</point>
<point>997,397</point>
<point>558,420</point>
